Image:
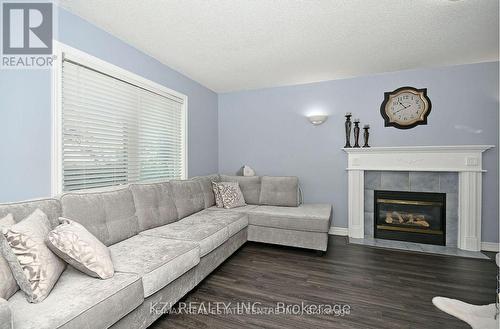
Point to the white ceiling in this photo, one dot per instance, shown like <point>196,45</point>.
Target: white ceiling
<point>230,45</point>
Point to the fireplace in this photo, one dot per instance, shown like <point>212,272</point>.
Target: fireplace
<point>410,216</point>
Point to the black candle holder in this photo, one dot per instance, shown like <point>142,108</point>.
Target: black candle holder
<point>356,133</point>
<point>366,135</point>
<point>348,125</point>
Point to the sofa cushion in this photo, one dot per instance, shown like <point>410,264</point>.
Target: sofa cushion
<point>154,204</point>
<point>250,186</point>
<point>188,197</point>
<point>109,215</point>
<point>234,221</point>
<point>79,301</point>
<point>157,261</point>
<point>34,266</point>
<point>21,210</point>
<point>5,315</point>
<point>79,248</point>
<point>306,217</point>
<point>207,236</point>
<point>279,191</point>
<point>243,209</point>
<point>206,187</point>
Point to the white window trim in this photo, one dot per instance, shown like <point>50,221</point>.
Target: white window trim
<point>64,51</point>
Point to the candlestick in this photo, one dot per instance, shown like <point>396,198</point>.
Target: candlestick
<point>356,133</point>
<point>366,135</point>
<point>348,125</point>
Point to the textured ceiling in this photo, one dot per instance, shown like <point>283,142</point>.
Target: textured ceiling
<point>230,45</point>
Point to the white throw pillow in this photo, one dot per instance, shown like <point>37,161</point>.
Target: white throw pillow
<point>8,285</point>
<point>35,268</point>
<point>80,249</point>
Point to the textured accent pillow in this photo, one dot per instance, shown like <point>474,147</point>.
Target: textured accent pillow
<point>80,249</point>
<point>35,268</point>
<point>218,198</point>
<point>8,285</point>
<point>231,195</point>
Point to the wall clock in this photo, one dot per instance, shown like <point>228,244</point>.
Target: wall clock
<point>405,107</point>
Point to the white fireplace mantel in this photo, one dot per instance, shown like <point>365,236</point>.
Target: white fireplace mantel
<point>464,159</point>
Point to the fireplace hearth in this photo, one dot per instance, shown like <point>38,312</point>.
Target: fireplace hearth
<point>410,216</point>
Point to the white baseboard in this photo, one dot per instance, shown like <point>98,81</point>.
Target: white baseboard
<point>334,230</point>
<point>486,246</point>
<point>490,246</point>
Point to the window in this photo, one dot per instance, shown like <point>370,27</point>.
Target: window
<point>114,127</point>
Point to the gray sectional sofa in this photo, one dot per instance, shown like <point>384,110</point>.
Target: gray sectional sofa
<point>164,239</point>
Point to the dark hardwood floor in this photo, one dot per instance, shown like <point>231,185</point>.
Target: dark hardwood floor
<point>384,288</point>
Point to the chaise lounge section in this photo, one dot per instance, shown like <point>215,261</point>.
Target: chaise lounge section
<point>164,239</point>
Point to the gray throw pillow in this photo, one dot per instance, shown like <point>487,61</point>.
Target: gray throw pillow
<point>80,249</point>
<point>279,191</point>
<point>231,195</point>
<point>218,197</point>
<point>35,268</point>
<point>8,285</point>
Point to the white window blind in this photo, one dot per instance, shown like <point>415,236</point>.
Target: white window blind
<point>116,132</point>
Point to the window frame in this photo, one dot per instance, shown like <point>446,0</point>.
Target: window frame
<point>63,51</point>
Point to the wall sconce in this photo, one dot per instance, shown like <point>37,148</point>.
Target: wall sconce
<point>316,120</point>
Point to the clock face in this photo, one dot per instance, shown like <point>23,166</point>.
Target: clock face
<point>405,107</point>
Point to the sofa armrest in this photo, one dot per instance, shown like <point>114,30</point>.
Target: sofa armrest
<point>5,315</point>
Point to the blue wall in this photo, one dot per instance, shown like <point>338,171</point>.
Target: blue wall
<point>264,128</point>
<point>267,128</point>
<point>25,111</point>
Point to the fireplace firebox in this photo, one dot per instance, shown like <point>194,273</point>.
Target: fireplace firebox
<point>410,216</point>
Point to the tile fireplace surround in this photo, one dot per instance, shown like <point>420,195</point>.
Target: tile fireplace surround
<point>414,181</point>
<point>466,160</point>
